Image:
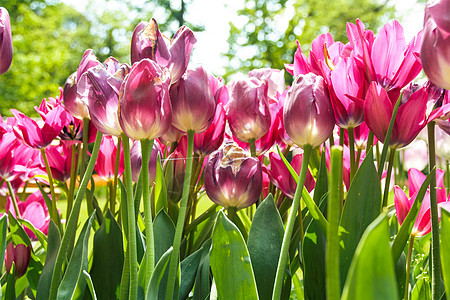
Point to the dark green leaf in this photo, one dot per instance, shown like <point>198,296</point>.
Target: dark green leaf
<point>445,248</point>
<point>230,262</point>
<point>159,190</point>
<point>39,234</point>
<point>10,293</point>
<point>157,285</point>
<point>17,233</point>
<point>264,245</point>
<point>90,284</point>
<point>165,229</point>
<point>321,187</point>
<point>202,280</point>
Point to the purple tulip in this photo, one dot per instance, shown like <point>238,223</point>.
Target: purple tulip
<point>307,115</point>
<point>193,103</point>
<point>136,160</point>
<point>6,49</point>
<point>211,139</point>
<point>148,42</point>
<point>248,111</point>
<point>232,178</point>
<point>19,255</point>
<point>106,161</point>
<point>274,79</point>
<point>59,158</point>
<point>435,51</point>
<point>145,110</point>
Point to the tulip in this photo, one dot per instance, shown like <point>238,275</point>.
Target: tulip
<point>219,90</point>
<point>274,79</point>
<point>19,255</point>
<point>174,172</point>
<point>435,51</point>
<point>248,110</point>
<point>193,103</point>
<point>361,133</point>
<point>145,109</point>
<point>136,160</point>
<point>148,42</point>
<point>415,155</point>
<point>232,178</point>
<point>211,139</point>
<point>308,116</point>
<point>6,49</point>
<point>106,161</point>
<point>60,158</point>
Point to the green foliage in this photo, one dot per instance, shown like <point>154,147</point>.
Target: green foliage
<point>268,36</point>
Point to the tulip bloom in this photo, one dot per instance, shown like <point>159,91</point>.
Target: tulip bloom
<point>308,116</point>
<point>6,49</point>
<point>59,158</point>
<point>19,255</point>
<point>274,79</point>
<point>435,51</point>
<point>148,42</point>
<point>232,179</point>
<point>136,161</point>
<point>106,161</point>
<point>248,110</point>
<point>193,103</point>
<point>211,139</point>
<point>145,110</point>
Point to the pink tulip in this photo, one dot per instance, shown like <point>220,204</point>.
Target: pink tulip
<point>136,160</point>
<point>59,158</point>
<point>232,178</point>
<point>19,255</point>
<point>361,134</point>
<point>308,116</point>
<point>145,109</point>
<point>300,65</point>
<point>106,161</point>
<point>248,111</point>
<point>211,139</point>
<point>274,79</point>
<point>173,135</point>
<point>148,42</point>
<point>435,51</point>
<point>6,49</point>
<point>219,90</point>
<point>193,103</point>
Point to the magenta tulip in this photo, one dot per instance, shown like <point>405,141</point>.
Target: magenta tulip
<point>308,116</point>
<point>19,255</point>
<point>6,49</point>
<point>59,158</point>
<point>136,160</point>
<point>106,161</point>
<point>210,140</point>
<point>193,103</point>
<point>232,178</point>
<point>435,51</point>
<point>248,110</point>
<point>274,79</point>
<point>145,110</point>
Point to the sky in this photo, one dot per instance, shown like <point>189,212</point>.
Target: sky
<point>216,15</point>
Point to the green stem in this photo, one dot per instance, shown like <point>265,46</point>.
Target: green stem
<point>73,178</point>
<point>173,265</point>
<point>132,246</point>
<point>112,203</point>
<point>13,199</point>
<point>334,209</point>
<point>71,227</point>
<point>408,266</point>
<point>252,145</point>
<point>388,177</point>
<point>55,214</point>
<point>351,144</point>
<point>146,146</point>
<point>435,255</point>
<point>231,213</point>
<point>369,141</point>
<point>447,173</point>
<point>85,145</point>
<point>290,226</point>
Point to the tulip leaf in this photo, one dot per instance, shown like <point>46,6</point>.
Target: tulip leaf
<point>202,285</point>
<point>405,230</point>
<point>72,283</point>
<point>3,230</point>
<point>17,233</point>
<point>108,257</point>
<point>39,234</point>
<point>445,248</point>
<point>264,245</point>
<point>165,228</point>
<point>90,284</point>
<point>321,186</point>
<point>371,275</point>
<point>230,262</point>
<point>160,190</point>
<point>10,292</point>
<point>53,242</point>
<point>362,207</point>
<point>47,199</point>
<point>158,282</point>
<point>421,289</point>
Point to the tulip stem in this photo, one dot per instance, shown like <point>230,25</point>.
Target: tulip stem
<point>281,269</point>
<point>351,146</point>
<point>231,212</point>
<point>13,199</point>
<point>173,264</point>
<point>132,248</point>
<point>55,214</point>
<point>252,145</point>
<point>435,255</point>
<point>112,195</point>
<point>408,266</point>
<point>85,145</point>
<point>447,173</point>
<point>73,178</point>
<point>146,146</point>
<point>334,209</point>
<point>388,177</point>
<point>369,141</point>
<point>71,227</point>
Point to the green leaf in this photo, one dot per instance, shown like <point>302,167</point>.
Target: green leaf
<point>371,275</point>
<point>445,248</point>
<point>362,207</point>
<point>39,234</point>
<point>230,262</point>
<point>53,242</point>
<point>264,245</point>
<point>157,285</point>
<point>165,229</point>
<point>405,230</point>
<point>108,257</point>
<point>47,199</point>
<point>78,262</point>
<point>90,285</point>
<point>202,285</point>
<point>421,289</point>
<point>17,233</point>
<point>159,190</point>
<point>321,187</point>
<point>3,229</point>
<point>10,293</point>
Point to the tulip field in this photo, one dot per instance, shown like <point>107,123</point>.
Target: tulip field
<point>155,179</point>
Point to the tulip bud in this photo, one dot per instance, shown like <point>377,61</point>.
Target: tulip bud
<point>145,110</point>
<point>136,160</point>
<point>248,110</point>
<point>435,51</point>
<point>6,49</point>
<point>307,115</point>
<point>232,178</point>
<point>193,103</point>
<point>106,161</point>
<point>20,255</point>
